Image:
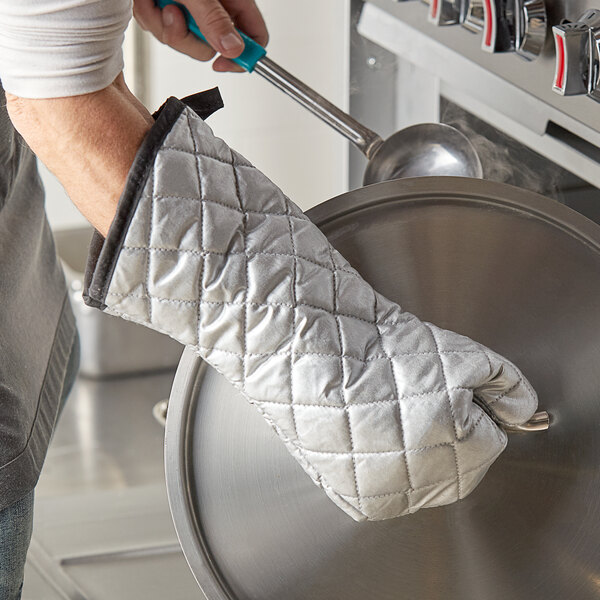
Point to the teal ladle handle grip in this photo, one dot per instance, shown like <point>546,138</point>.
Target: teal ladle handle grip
<point>252,53</point>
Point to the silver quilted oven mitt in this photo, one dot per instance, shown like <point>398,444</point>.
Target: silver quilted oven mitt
<point>386,413</point>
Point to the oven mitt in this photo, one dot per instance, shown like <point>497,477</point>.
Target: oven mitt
<point>387,413</point>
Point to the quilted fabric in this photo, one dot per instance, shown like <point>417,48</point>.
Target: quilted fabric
<point>376,405</point>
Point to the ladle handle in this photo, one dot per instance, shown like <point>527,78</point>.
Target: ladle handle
<point>253,59</point>
<point>367,141</point>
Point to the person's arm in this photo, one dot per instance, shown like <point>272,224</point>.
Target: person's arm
<point>88,141</point>
<point>69,100</point>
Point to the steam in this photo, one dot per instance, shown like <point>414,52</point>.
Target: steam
<point>502,158</point>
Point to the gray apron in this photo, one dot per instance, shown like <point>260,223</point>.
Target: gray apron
<point>37,328</point>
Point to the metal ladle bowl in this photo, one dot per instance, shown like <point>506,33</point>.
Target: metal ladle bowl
<point>422,150</point>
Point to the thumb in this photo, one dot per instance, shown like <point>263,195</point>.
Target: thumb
<point>508,395</point>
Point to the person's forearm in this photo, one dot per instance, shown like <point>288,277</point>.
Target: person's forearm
<point>89,138</point>
<point>88,141</point>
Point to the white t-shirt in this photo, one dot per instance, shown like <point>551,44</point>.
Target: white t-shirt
<point>54,48</point>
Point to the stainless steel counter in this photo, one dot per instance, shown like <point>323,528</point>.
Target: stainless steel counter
<point>102,525</point>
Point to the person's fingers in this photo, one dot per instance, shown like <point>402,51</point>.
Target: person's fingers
<point>217,21</point>
<point>216,25</point>
<point>177,35</point>
<point>223,65</point>
<point>147,14</point>
<point>248,18</point>
<point>175,28</point>
<point>169,27</point>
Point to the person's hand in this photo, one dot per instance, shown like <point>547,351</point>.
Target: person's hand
<point>216,19</point>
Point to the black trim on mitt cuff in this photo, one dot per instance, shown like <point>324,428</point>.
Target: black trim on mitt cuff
<point>103,253</point>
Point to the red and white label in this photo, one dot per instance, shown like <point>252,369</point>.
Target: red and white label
<point>489,25</point>
<point>561,61</point>
<point>434,10</point>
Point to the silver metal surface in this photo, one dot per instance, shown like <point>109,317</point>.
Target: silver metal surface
<point>425,149</point>
<point>594,61</point>
<point>531,28</point>
<point>473,20</point>
<point>514,271</point>
<point>515,25</point>
<point>510,94</point>
<point>499,26</point>
<point>521,89</point>
<point>570,78</point>
<point>373,78</point>
<point>539,422</point>
<point>159,412</point>
<point>578,52</point>
<point>422,150</point>
<point>445,12</point>
<point>468,13</point>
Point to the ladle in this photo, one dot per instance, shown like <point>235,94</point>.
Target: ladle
<point>418,150</point>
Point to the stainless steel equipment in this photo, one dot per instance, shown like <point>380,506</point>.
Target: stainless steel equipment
<point>506,25</point>
<point>544,105</point>
<point>509,268</point>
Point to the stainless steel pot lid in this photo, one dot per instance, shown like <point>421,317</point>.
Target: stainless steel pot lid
<point>511,269</point>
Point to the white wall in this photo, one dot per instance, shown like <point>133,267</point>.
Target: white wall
<point>296,150</point>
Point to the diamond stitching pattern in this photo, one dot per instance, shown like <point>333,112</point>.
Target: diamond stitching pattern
<point>343,374</point>
<point>261,206</point>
